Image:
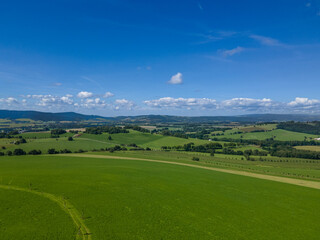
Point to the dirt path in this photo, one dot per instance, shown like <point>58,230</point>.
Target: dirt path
<point>84,232</point>
<point>299,182</point>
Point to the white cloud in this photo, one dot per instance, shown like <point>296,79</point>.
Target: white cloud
<point>231,52</point>
<point>308,5</point>
<point>176,79</point>
<point>169,102</point>
<point>266,40</point>
<point>123,104</point>
<point>91,103</point>
<point>85,94</point>
<point>249,104</point>
<point>305,104</point>
<point>49,100</point>
<point>9,100</point>
<point>108,94</point>
<point>207,103</point>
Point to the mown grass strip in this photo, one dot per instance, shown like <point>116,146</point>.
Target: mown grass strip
<point>84,232</point>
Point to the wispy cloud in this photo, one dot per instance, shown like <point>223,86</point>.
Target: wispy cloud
<point>231,52</point>
<point>268,41</point>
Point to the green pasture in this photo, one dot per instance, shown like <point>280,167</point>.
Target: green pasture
<point>309,148</point>
<point>288,167</point>
<point>25,215</point>
<point>42,141</point>
<point>278,134</point>
<point>142,139</point>
<point>126,199</point>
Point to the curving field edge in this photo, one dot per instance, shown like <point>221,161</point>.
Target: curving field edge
<point>64,205</point>
<point>298,182</point>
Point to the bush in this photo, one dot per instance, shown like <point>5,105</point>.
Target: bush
<point>70,139</point>
<point>148,149</point>
<point>132,145</point>
<point>57,131</point>
<point>9,153</point>
<point>1,154</point>
<point>34,152</point>
<point>19,152</point>
<point>195,159</point>
<point>52,151</point>
<point>65,151</point>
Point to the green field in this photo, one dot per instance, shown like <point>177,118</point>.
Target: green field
<point>42,141</point>
<point>278,134</point>
<point>123,199</point>
<point>309,148</point>
<point>25,215</point>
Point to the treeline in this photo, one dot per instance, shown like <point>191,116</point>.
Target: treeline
<point>212,147</point>
<point>295,153</point>
<point>137,128</point>
<point>191,147</point>
<point>178,134</point>
<point>55,133</point>
<point>310,128</point>
<point>106,129</point>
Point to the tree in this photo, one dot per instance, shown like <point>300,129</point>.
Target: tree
<point>52,151</point>
<point>195,159</point>
<point>19,152</point>
<point>34,152</point>
<point>57,131</point>
<point>70,139</point>
<point>110,138</point>
<point>9,153</point>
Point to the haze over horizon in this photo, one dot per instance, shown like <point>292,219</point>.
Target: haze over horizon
<point>199,58</point>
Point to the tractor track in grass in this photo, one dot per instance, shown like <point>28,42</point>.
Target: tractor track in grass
<point>298,182</point>
<point>83,233</point>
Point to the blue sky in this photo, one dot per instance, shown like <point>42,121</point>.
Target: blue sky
<point>120,57</point>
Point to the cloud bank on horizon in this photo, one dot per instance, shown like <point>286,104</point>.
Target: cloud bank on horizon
<point>88,101</point>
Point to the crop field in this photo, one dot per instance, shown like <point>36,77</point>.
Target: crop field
<point>42,141</point>
<point>59,144</point>
<point>288,167</point>
<point>278,134</point>
<point>125,199</point>
<point>142,139</point>
<point>24,215</point>
<point>309,148</point>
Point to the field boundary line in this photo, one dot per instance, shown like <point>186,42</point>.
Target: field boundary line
<point>298,182</point>
<point>94,140</point>
<point>65,205</point>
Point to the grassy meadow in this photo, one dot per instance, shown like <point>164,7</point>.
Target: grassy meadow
<point>42,141</point>
<point>277,134</point>
<point>125,199</point>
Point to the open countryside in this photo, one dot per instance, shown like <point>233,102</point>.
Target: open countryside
<point>160,120</point>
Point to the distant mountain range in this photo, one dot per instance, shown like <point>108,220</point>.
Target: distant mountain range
<point>71,116</point>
